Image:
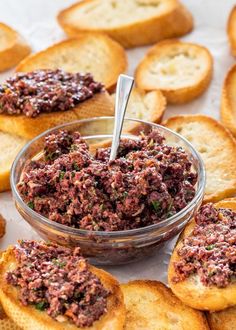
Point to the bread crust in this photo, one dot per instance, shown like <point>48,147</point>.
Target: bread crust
<point>228,104</point>
<point>5,180</point>
<point>15,50</point>
<point>231,30</point>
<point>96,53</point>
<point>217,146</point>
<point>151,305</point>
<point>191,291</point>
<point>2,231</point>
<point>7,324</point>
<point>174,22</point>
<point>175,94</point>
<point>10,145</point>
<point>223,320</point>
<point>99,105</point>
<point>29,318</point>
<point>148,106</point>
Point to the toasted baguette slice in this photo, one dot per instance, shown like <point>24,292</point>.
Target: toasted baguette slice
<point>148,106</point>
<point>217,148</point>
<point>181,70</point>
<point>228,101</point>
<point>99,105</point>
<point>6,323</point>
<point>191,291</point>
<point>29,318</point>
<point>10,145</point>
<point>231,30</point>
<point>223,320</point>
<point>13,48</point>
<point>132,23</point>
<point>151,305</point>
<point>94,53</point>
<point>2,231</point>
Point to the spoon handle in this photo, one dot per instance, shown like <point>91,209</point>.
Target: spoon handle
<point>123,89</point>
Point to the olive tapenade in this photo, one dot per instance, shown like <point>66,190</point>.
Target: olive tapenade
<point>44,91</point>
<point>57,280</point>
<point>210,250</point>
<point>148,181</point>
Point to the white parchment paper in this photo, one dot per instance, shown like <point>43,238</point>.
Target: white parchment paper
<point>36,20</point>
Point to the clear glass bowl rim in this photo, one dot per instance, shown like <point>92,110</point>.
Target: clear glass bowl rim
<point>112,234</point>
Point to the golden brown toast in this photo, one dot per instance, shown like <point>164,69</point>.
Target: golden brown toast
<point>181,70</point>
<point>2,228</point>
<point>223,320</point>
<point>231,30</point>
<point>148,106</point>
<point>228,101</point>
<point>30,318</point>
<point>13,48</point>
<point>10,145</point>
<point>5,322</point>
<point>217,148</point>
<point>97,54</point>
<point>98,105</point>
<point>191,291</point>
<point>132,23</point>
<point>151,305</point>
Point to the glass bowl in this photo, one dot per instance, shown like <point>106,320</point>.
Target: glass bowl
<point>109,248</point>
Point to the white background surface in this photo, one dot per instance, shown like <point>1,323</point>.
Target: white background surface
<point>35,19</point>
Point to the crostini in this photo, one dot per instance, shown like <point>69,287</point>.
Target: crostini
<point>151,305</point>
<point>151,20</point>
<point>202,267</point>
<point>231,30</point>
<point>217,148</point>
<point>13,47</point>
<point>44,286</point>
<point>33,102</point>
<point>96,53</point>
<point>181,70</point>
<point>228,101</point>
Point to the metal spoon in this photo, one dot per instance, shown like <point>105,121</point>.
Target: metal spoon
<point>123,89</point>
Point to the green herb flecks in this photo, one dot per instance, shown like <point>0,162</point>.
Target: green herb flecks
<point>31,205</point>
<point>41,306</point>
<point>75,167</point>
<point>50,156</point>
<point>210,247</point>
<point>169,210</point>
<point>59,263</point>
<point>156,205</point>
<point>125,194</point>
<point>61,175</point>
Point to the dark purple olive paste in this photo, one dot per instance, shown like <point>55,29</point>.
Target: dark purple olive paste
<point>57,280</point>
<point>44,91</point>
<point>148,182</point>
<point>210,251</point>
